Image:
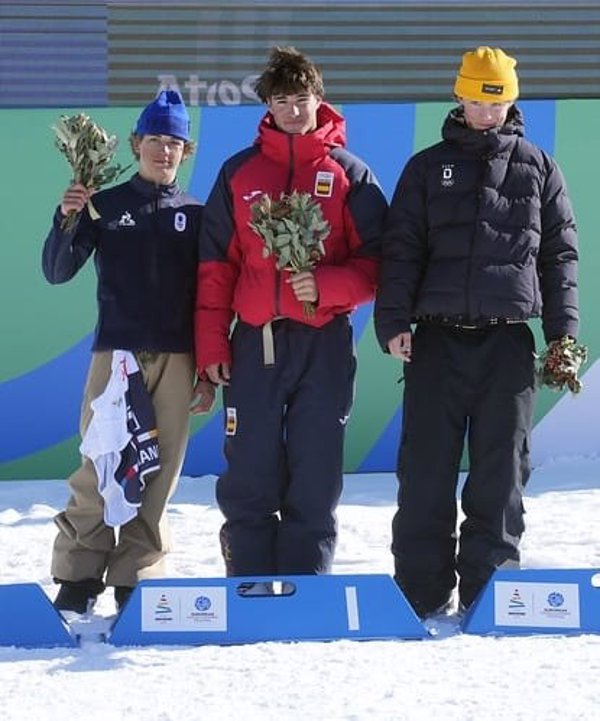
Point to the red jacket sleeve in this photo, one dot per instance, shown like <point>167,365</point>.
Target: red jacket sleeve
<point>218,269</point>
<point>353,282</point>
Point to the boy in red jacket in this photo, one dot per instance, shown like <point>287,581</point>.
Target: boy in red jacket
<point>287,376</point>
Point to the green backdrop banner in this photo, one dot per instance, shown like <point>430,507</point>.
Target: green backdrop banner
<point>46,330</point>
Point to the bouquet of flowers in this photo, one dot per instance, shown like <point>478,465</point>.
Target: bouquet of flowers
<point>558,365</point>
<point>89,150</point>
<point>293,230</point>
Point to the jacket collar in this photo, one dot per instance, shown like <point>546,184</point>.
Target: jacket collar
<point>330,133</point>
<point>483,141</point>
<point>151,190</point>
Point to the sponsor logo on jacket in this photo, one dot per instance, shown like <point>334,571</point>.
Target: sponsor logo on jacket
<point>250,195</point>
<point>126,221</point>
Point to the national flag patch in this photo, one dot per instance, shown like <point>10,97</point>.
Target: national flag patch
<point>231,422</point>
<point>324,184</point>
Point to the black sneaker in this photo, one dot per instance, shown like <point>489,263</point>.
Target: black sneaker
<point>78,596</point>
<point>445,609</point>
<point>122,594</point>
<point>469,592</point>
<point>442,606</point>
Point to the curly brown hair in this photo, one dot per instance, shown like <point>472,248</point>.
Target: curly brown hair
<point>288,72</point>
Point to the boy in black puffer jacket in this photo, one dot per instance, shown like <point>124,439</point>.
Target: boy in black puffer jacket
<point>480,238</point>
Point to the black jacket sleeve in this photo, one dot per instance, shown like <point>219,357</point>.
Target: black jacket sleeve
<point>65,253</point>
<point>558,258</point>
<point>404,253</point>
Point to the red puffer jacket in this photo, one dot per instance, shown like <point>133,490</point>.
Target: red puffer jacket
<point>234,277</point>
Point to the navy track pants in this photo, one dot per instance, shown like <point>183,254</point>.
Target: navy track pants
<point>284,436</point>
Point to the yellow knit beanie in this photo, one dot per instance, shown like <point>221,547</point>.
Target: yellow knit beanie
<point>488,75</point>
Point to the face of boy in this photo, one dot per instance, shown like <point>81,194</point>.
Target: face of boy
<point>160,158</point>
<point>295,114</point>
<point>483,116</point>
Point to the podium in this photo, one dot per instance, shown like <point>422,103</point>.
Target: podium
<point>537,601</point>
<point>239,610</point>
<point>29,620</point>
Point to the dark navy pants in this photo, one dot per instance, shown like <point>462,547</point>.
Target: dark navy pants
<point>284,436</point>
<point>479,383</point>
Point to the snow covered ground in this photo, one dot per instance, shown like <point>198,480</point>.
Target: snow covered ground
<point>453,677</point>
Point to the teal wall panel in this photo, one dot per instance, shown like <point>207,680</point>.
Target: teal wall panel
<point>46,329</point>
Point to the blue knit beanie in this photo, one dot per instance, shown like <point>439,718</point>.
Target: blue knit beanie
<point>166,115</point>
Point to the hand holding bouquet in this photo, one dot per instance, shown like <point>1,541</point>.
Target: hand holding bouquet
<point>293,230</point>
<point>559,364</point>
<point>89,150</point>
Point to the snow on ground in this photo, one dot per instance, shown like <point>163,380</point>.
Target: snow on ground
<point>454,677</point>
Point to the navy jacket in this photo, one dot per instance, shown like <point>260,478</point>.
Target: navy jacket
<point>145,247</point>
<point>480,227</point>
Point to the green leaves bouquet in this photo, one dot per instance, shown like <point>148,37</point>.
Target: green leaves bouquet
<point>90,152</point>
<point>557,367</point>
<point>293,230</point>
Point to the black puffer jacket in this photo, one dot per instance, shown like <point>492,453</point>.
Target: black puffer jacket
<point>480,227</point>
<point>145,247</point>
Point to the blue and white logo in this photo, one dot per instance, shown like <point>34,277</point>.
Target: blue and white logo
<point>180,222</point>
<point>202,603</point>
<point>555,599</point>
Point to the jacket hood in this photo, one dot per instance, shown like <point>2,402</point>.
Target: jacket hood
<point>455,130</point>
<point>330,133</point>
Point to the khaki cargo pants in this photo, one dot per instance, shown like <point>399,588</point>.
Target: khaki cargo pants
<point>85,546</point>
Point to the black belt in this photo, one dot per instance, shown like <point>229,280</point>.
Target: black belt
<point>466,324</point>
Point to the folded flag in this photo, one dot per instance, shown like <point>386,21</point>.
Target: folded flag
<point>122,440</point>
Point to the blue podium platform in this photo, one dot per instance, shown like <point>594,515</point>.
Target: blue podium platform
<point>537,601</point>
<point>28,618</point>
<point>223,611</point>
